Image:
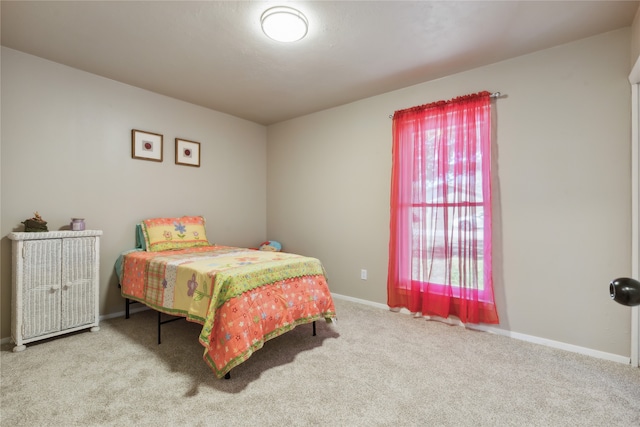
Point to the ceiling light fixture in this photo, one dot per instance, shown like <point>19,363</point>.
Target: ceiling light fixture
<point>284,24</point>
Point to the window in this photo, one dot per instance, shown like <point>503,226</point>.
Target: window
<point>440,242</point>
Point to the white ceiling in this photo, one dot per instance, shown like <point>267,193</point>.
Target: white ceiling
<point>214,54</point>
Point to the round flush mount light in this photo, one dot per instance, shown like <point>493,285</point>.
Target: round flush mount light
<point>284,24</point>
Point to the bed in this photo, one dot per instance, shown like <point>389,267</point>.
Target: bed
<point>242,297</point>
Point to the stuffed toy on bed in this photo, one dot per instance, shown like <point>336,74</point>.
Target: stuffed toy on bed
<point>270,245</point>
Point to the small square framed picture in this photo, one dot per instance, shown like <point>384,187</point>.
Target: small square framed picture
<point>187,152</point>
<point>146,145</point>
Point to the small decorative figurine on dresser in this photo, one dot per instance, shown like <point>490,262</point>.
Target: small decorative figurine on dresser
<point>35,224</point>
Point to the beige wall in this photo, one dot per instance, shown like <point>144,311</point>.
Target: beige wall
<point>562,179</point>
<point>562,186</point>
<point>66,152</point>
<point>635,37</point>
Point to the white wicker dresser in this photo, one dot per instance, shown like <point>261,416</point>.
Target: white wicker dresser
<point>55,284</point>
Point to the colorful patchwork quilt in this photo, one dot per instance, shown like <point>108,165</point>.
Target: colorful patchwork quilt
<point>242,297</point>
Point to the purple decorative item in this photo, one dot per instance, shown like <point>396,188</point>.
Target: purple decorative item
<point>77,224</point>
<point>625,291</point>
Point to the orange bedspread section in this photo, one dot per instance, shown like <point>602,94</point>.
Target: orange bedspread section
<point>241,297</point>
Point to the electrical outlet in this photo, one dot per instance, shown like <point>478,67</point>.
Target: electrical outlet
<point>363,274</point>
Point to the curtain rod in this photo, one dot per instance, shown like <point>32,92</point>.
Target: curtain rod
<point>493,95</point>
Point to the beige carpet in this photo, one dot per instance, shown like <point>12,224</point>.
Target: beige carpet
<point>373,368</point>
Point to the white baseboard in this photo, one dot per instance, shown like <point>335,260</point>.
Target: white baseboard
<point>122,313</point>
<point>516,335</point>
<point>360,301</point>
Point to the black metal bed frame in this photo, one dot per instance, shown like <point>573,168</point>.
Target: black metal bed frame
<point>161,322</point>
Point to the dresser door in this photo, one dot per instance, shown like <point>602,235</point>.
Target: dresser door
<point>41,287</point>
<point>78,282</point>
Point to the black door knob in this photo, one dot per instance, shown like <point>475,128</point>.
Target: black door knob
<point>625,291</point>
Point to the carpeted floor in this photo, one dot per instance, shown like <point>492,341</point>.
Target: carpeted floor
<point>373,368</point>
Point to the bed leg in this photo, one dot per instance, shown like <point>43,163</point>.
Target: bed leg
<point>159,328</point>
<point>314,328</point>
<point>126,308</point>
<point>227,376</point>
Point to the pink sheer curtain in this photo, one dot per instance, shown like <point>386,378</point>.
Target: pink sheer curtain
<point>440,230</point>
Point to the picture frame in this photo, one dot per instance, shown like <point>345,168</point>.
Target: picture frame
<point>187,152</point>
<point>146,145</point>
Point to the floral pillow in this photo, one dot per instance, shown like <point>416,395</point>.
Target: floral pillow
<point>163,234</point>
